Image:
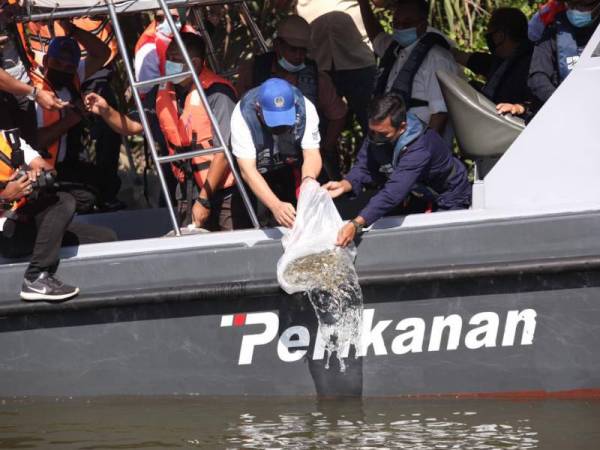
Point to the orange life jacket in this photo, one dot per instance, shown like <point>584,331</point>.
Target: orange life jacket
<point>39,36</point>
<point>190,130</point>
<point>161,41</point>
<point>6,169</point>
<point>50,117</point>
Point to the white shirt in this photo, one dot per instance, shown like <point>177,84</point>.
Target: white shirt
<point>425,84</point>
<point>146,65</point>
<point>241,138</point>
<point>65,96</point>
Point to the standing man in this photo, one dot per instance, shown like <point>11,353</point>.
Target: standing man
<point>410,58</point>
<point>401,155</point>
<point>275,138</point>
<point>288,61</point>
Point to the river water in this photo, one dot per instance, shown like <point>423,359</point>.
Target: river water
<point>269,423</point>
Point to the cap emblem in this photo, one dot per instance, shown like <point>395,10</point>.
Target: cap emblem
<point>279,101</point>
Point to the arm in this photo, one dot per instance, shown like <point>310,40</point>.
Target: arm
<point>48,135</point>
<point>360,174</point>
<point>311,167</point>
<point>438,122</point>
<point>97,51</point>
<point>541,71</point>
<point>45,99</point>
<point>372,25</point>
<point>119,122</point>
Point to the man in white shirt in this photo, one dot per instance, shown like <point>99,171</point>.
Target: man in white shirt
<point>410,58</point>
<point>275,138</point>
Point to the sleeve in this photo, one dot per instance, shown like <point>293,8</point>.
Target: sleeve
<point>330,103</point>
<point>146,65</point>
<point>360,174</point>
<point>81,71</point>
<point>398,186</point>
<point>222,107</point>
<point>437,60</point>
<point>242,145</point>
<point>381,43</point>
<point>480,63</point>
<point>312,138</point>
<point>541,70</point>
<point>30,153</point>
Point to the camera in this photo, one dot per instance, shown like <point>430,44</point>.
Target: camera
<point>45,181</point>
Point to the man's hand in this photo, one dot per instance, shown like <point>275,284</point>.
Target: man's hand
<point>337,188</point>
<point>284,214</point>
<point>514,109</point>
<point>17,188</point>
<point>95,104</point>
<point>200,214</point>
<point>49,100</point>
<point>346,235</point>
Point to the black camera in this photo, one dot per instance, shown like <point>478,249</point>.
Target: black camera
<point>45,181</point>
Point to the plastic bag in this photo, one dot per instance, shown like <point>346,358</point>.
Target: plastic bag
<point>315,230</point>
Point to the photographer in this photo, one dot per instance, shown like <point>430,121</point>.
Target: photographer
<point>40,225</point>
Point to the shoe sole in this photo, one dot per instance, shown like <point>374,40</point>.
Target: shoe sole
<point>34,296</point>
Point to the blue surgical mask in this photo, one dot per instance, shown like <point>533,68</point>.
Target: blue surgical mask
<point>289,67</point>
<point>405,37</point>
<point>165,28</point>
<point>579,19</point>
<point>173,68</point>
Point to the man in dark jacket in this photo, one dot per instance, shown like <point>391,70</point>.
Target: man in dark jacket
<point>401,155</point>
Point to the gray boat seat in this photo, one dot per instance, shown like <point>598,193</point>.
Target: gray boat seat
<point>482,134</point>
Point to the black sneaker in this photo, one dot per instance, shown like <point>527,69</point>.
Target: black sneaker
<point>47,288</point>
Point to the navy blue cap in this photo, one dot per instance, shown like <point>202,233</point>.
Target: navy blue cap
<point>276,99</point>
<point>59,46</point>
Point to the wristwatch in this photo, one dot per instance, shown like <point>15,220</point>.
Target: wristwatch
<point>204,202</point>
<point>357,226</point>
<point>32,95</point>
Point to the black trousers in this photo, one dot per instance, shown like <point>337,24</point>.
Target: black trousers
<point>47,226</point>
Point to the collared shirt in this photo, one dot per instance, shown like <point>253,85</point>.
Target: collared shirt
<point>425,84</point>
<point>242,144</point>
<point>339,38</point>
<point>330,104</point>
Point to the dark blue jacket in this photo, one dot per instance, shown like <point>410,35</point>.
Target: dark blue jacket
<point>426,161</point>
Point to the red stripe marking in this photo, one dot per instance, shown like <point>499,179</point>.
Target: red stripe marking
<point>239,320</point>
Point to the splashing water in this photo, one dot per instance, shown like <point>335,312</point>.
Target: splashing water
<point>331,282</point>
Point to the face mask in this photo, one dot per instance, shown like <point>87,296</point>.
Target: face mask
<point>165,29</point>
<point>378,139</point>
<point>173,68</point>
<point>405,37</point>
<point>289,67</point>
<point>59,79</point>
<point>579,19</point>
<point>278,131</point>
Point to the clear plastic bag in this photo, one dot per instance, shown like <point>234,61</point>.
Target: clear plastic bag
<point>315,231</point>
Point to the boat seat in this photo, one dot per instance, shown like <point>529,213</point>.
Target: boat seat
<point>482,134</point>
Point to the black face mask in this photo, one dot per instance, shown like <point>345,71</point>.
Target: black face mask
<point>59,79</point>
<point>378,138</point>
<point>278,131</point>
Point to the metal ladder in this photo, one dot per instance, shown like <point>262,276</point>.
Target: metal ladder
<point>220,144</point>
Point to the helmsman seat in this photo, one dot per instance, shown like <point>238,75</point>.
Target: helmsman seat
<point>482,134</point>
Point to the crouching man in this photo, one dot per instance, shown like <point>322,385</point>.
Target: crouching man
<point>401,155</point>
<point>38,224</point>
<point>275,138</point>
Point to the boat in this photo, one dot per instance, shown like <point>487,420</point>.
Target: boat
<point>501,300</point>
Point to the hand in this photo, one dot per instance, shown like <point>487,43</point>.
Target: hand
<point>514,109</point>
<point>336,188</point>
<point>17,188</point>
<point>346,235</point>
<point>49,100</point>
<point>284,214</point>
<point>200,214</point>
<point>95,104</point>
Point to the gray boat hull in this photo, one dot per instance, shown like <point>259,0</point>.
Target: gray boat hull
<point>457,310</point>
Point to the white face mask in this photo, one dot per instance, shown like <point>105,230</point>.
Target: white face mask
<point>165,29</point>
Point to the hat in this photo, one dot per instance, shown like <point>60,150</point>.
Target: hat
<point>295,31</point>
<point>276,99</point>
<point>61,46</point>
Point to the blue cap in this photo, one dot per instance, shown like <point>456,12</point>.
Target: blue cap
<point>64,48</point>
<point>276,98</point>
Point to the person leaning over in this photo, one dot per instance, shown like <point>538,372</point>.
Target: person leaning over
<point>275,138</point>
<point>410,58</point>
<point>401,155</point>
<point>185,125</point>
<point>40,227</point>
<point>288,61</point>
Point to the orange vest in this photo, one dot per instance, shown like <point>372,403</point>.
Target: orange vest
<point>151,36</point>
<point>39,36</point>
<point>190,130</point>
<point>50,117</point>
<point>6,170</point>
